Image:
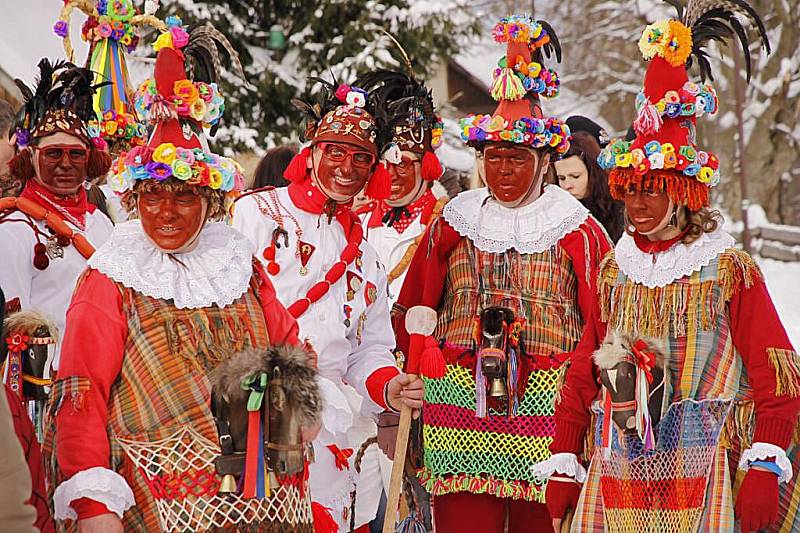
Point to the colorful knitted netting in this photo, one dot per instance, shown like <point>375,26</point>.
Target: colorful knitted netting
<point>665,489</point>
<point>485,455</point>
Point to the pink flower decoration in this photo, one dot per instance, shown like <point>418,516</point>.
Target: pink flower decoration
<point>341,92</point>
<point>100,143</point>
<point>105,30</point>
<point>179,37</point>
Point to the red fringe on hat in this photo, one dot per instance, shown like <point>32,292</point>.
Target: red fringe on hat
<point>681,189</point>
<point>296,171</point>
<point>431,167</point>
<point>380,183</point>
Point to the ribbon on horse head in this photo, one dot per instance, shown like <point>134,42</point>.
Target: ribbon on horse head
<point>645,361</point>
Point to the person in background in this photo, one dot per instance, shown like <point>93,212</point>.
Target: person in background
<point>578,123</point>
<point>9,185</point>
<point>579,174</point>
<point>269,172</point>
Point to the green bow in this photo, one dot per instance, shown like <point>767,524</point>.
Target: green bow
<point>257,385</point>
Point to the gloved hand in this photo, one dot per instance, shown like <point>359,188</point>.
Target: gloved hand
<point>757,501</point>
<point>559,496</point>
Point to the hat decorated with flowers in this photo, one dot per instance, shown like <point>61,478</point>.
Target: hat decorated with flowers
<point>411,116</point>
<point>519,81</point>
<point>112,31</point>
<point>180,100</point>
<point>344,114</point>
<point>664,154</point>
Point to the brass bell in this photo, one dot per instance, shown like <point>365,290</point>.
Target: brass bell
<point>228,485</point>
<point>497,388</point>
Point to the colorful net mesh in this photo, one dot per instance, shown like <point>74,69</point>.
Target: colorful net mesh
<point>664,489</point>
<point>485,455</point>
<point>180,473</point>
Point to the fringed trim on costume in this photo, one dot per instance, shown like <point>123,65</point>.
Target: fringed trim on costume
<point>737,433</point>
<point>787,371</point>
<point>561,381</point>
<point>681,190</point>
<point>661,311</point>
<point>736,267</point>
<point>449,484</point>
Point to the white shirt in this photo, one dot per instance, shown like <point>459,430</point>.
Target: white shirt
<point>391,247</point>
<point>48,291</point>
<point>349,329</point>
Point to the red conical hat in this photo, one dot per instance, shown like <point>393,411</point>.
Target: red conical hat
<point>519,80</point>
<point>179,108</point>
<point>664,154</point>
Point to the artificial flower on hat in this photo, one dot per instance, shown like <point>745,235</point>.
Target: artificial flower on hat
<point>665,152</point>
<point>519,81</point>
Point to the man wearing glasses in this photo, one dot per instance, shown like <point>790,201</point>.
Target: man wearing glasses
<point>55,157</point>
<point>333,283</point>
<point>395,225</point>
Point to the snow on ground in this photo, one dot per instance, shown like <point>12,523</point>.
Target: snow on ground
<point>783,282</point>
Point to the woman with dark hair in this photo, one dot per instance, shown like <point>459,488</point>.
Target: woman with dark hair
<point>580,175</point>
<point>269,171</point>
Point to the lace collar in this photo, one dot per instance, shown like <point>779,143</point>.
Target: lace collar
<point>662,268</point>
<point>217,271</point>
<point>531,229</point>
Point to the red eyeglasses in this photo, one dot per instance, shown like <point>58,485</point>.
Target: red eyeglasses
<point>55,153</point>
<point>339,152</point>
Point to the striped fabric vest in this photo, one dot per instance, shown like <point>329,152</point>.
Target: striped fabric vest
<point>493,455</point>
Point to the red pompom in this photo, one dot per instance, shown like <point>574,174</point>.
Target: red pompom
<point>431,360</point>
<point>323,521</point>
<point>296,171</point>
<point>380,183</point>
<point>431,167</point>
<point>41,261</point>
<point>273,268</point>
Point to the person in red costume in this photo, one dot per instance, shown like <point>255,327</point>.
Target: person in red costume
<point>517,250</point>
<point>55,157</point>
<point>171,297</point>
<point>696,375</point>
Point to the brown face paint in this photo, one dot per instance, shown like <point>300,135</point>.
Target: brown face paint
<point>406,179</point>
<point>61,162</point>
<point>647,209</point>
<point>171,218</point>
<point>510,171</point>
<point>341,169</point>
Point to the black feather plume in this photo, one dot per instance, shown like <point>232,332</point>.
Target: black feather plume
<point>719,21</point>
<point>554,46</point>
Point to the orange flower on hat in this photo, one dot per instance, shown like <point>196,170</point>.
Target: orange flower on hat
<point>678,44</point>
<point>186,91</point>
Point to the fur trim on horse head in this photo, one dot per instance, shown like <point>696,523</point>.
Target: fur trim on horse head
<point>297,372</point>
<point>617,346</point>
<point>27,322</point>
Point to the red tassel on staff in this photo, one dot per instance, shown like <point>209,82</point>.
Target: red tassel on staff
<point>431,360</point>
<point>323,521</point>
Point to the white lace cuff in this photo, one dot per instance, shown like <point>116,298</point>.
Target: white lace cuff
<point>760,451</point>
<point>97,483</point>
<point>560,463</point>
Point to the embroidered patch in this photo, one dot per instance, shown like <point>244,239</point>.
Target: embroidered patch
<point>370,293</point>
<point>353,285</point>
<point>305,250</point>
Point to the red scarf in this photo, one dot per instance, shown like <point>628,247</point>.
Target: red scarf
<point>400,218</point>
<point>72,209</point>
<point>654,247</point>
<point>310,199</point>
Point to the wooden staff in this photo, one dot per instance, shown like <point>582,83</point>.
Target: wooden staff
<point>420,323</point>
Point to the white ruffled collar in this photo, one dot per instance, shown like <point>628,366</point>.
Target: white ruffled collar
<point>662,268</point>
<point>217,271</point>
<point>530,229</point>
